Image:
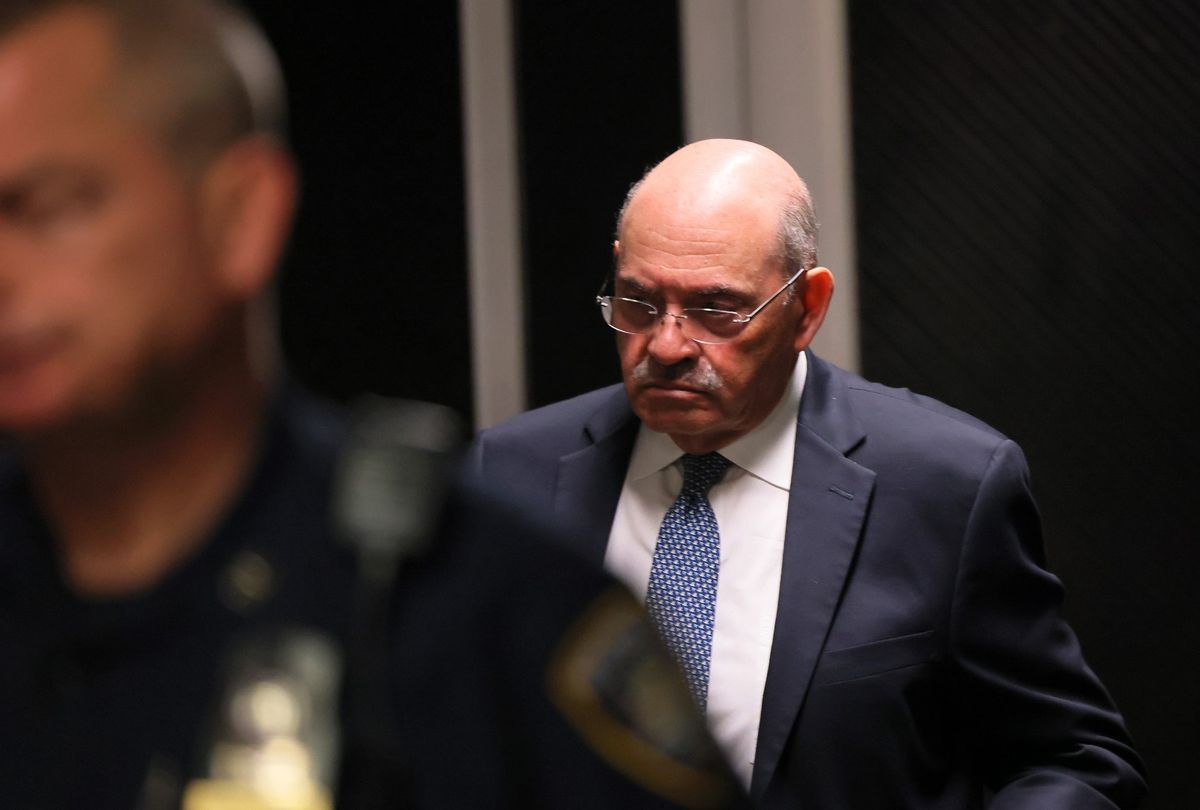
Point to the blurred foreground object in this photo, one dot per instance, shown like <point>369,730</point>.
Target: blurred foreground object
<point>488,667</point>
<point>275,740</point>
<point>163,490</point>
<point>174,604</point>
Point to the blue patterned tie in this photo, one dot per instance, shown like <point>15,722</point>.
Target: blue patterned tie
<point>682,594</point>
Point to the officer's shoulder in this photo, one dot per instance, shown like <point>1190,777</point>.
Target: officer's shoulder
<point>500,528</point>
<point>313,423</point>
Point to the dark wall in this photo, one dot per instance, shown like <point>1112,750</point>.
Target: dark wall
<point>599,97</point>
<point>374,293</point>
<point>1028,182</point>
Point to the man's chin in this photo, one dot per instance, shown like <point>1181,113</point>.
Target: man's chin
<point>674,414</point>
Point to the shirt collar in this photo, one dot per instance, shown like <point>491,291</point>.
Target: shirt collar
<point>765,452</point>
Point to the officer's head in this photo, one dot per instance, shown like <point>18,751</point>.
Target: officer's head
<point>145,195</point>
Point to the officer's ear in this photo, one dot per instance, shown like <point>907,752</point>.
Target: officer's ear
<point>248,199</point>
<point>815,293</point>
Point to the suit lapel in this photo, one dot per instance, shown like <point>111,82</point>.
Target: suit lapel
<point>589,480</point>
<point>826,508</point>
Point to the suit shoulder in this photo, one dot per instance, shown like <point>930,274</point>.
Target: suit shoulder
<point>882,407</point>
<point>905,432</point>
<point>522,455</point>
<point>561,425</point>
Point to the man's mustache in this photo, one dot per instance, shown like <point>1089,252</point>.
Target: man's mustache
<point>694,374</point>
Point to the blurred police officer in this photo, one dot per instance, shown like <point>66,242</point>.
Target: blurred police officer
<point>162,491</point>
<point>164,494</point>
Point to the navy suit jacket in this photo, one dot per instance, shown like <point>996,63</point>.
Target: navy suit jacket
<point>920,658</point>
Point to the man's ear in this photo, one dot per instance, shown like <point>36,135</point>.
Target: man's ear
<point>815,295</point>
<point>616,248</point>
<point>248,199</point>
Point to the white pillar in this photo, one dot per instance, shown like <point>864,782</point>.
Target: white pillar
<point>776,72</point>
<point>491,165</point>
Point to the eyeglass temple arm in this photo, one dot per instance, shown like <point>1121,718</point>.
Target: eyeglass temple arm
<point>610,278</point>
<point>775,295</point>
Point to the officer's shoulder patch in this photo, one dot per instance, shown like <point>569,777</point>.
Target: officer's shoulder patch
<point>615,683</point>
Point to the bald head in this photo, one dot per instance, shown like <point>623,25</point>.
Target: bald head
<point>718,180</point>
<point>718,233</point>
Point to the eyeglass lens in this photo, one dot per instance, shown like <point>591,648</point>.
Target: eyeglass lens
<point>637,317</point>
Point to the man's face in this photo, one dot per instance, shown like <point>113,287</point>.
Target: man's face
<point>103,280</point>
<point>705,395</point>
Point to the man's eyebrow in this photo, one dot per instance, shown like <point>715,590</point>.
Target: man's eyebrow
<point>32,183</point>
<point>632,284</point>
<point>717,290</point>
<point>21,182</point>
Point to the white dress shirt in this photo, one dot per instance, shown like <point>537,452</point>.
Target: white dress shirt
<point>750,504</point>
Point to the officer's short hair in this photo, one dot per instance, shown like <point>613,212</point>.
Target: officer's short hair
<point>201,72</point>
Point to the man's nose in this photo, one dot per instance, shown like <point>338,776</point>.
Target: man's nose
<point>668,345</point>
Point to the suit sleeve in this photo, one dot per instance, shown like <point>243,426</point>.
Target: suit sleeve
<point>1041,726</point>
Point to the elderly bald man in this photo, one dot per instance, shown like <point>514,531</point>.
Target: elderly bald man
<point>851,575</point>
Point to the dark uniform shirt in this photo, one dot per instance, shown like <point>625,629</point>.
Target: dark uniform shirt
<point>103,702</point>
<point>524,677</point>
<point>506,672</point>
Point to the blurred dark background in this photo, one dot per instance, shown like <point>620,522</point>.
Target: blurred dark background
<point>1027,187</point>
<point>373,296</point>
<point>1027,178</point>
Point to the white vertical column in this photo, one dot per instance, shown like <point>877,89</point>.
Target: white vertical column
<point>496,281</point>
<point>713,44</point>
<point>776,72</point>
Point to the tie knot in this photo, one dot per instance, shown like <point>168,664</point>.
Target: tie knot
<point>701,472</point>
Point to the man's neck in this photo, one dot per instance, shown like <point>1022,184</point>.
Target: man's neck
<point>130,499</point>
